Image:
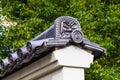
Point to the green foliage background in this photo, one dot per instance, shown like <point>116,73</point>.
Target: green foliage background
<point>99,19</point>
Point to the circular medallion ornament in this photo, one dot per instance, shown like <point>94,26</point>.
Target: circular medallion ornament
<point>77,36</point>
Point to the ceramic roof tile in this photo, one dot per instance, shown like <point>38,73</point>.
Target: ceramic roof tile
<point>65,31</point>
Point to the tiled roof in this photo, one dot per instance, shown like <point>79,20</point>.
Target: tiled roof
<point>65,31</point>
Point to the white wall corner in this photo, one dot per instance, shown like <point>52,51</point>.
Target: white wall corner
<point>74,56</point>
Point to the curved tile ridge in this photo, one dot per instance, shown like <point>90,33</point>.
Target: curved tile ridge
<point>65,31</point>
